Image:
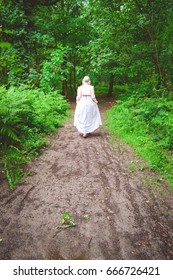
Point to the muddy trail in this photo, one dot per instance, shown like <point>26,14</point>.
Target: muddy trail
<point>119,211</point>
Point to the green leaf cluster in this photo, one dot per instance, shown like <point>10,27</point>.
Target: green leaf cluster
<point>146,123</point>
<point>26,116</point>
<point>52,71</point>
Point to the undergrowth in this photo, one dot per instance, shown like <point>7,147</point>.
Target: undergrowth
<point>146,123</point>
<point>26,116</point>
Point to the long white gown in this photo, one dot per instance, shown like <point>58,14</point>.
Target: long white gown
<point>87,116</point>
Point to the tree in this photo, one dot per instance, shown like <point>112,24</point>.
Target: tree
<point>120,43</point>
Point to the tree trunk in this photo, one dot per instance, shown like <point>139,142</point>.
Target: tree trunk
<point>64,88</point>
<point>75,84</point>
<point>156,56</point>
<point>111,84</point>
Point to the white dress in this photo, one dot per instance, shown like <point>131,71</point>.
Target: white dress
<point>87,116</point>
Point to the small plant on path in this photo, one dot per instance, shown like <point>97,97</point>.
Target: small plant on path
<point>67,221</point>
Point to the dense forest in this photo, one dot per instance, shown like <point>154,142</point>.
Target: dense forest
<point>126,47</point>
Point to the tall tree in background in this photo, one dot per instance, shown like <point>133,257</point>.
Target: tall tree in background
<point>39,29</point>
<point>155,18</point>
<point>55,43</point>
<point>133,42</point>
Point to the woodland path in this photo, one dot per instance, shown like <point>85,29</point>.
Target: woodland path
<point>121,212</point>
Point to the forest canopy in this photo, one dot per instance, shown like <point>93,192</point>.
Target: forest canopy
<point>52,44</point>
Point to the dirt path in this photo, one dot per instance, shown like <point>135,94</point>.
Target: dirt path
<point>118,214</point>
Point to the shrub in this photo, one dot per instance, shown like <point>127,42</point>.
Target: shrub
<point>26,115</point>
<point>146,123</point>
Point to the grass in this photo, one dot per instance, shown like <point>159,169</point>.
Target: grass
<point>134,130</point>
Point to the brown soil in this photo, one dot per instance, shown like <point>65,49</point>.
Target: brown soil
<point>120,212</point>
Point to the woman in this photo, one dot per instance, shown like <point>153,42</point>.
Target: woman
<point>87,116</point>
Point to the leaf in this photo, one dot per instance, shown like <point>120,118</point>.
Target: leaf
<point>16,69</point>
<point>67,221</point>
<point>7,31</point>
<point>66,218</point>
<point>5,45</point>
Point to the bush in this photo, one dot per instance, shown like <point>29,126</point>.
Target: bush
<point>147,124</point>
<point>26,115</point>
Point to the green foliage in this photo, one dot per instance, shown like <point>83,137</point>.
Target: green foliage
<point>26,115</point>
<point>101,89</point>
<point>46,43</point>
<point>58,43</point>
<point>67,221</point>
<point>12,161</point>
<point>52,73</point>
<point>147,124</point>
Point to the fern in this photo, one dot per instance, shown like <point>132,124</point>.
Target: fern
<point>13,174</point>
<point>26,115</point>
<point>12,161</point>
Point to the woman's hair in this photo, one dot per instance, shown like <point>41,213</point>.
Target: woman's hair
<point>86,79</point>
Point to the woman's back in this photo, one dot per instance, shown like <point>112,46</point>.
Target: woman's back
<point>86,90</point>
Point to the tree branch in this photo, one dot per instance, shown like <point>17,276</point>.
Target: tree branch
<point>46,3</point>
<point>38,2</point>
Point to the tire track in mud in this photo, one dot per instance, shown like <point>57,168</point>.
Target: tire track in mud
<point>88,178</point>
